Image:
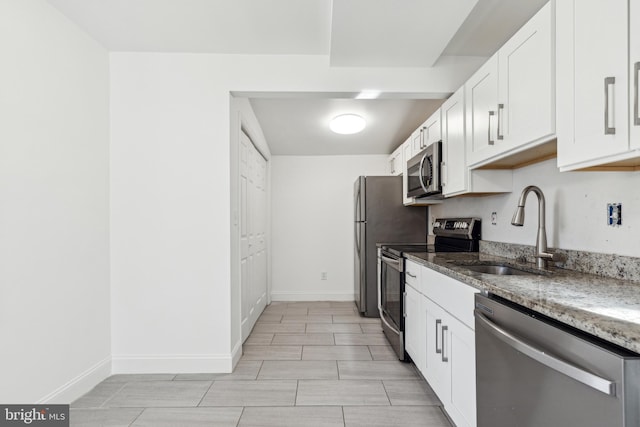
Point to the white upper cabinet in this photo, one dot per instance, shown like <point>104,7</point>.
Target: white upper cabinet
<point>482,105</point>
<point>526,94</point>
<point>457,179</point>
<point>417,142</point>
<point>396,161</point>
<point>431,129</point>
<point>597,52</point>
<point>426,134</point>
<point>454,165</point>
<point>510,100</point>
<point>634,61</point>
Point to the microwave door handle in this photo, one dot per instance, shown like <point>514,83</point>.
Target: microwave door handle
<point>421,174</point>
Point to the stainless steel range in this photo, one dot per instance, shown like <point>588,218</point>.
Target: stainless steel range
<point>451,235</point>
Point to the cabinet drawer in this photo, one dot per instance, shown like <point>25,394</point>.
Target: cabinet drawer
<point>450,294</point>
<point>412,274</point>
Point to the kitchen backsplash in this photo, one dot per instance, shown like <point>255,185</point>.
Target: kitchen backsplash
<point>607,265</point>
<point>576,210</point>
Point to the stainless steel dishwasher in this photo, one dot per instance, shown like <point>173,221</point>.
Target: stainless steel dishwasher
<point>532,371</point>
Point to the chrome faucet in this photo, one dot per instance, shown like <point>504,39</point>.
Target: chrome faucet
<point>518,220</point>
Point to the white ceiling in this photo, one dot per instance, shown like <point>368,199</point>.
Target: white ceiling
<point>211,26</point>
<point>381,33</point>
<point>388,33</point>
<point>301,126</point>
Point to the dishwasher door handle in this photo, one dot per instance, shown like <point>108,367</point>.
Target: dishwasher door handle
<point>587,378</point>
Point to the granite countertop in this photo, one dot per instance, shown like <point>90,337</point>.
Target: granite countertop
<point>605,307</point>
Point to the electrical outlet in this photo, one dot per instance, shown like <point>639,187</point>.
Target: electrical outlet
<point>614,214</point>
<point>323,275</point>
<point>494,218</point>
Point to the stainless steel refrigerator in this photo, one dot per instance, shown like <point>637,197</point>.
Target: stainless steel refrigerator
<point>380,217</point>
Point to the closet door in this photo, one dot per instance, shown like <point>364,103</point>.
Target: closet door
<point>253,226</point>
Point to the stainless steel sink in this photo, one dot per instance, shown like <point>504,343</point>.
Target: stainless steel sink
<point>502,270</point>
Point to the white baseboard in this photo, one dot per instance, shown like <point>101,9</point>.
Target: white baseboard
<point>172,363</point>
<point>79,385</point>
<point>236,354</point>
<point>312,296</point>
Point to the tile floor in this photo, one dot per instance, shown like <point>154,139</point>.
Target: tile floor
<point>316,364</point>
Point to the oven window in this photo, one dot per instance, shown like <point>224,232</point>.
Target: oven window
<point>392,294</point>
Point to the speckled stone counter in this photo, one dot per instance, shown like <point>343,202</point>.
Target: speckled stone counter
<point>605,307</point>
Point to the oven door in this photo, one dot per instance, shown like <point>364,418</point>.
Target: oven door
<point>391,300</point>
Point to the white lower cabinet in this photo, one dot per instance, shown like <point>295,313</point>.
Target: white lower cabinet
<point>413,339</point>
<point>460,344</point>
<point>440,339</point>
<point>436,370</point>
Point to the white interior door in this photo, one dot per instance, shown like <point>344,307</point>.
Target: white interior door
<point>253,227</point>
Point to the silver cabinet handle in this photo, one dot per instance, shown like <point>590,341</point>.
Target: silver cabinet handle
<point>587,378</point>
<point>491,141</point>
<point>421,138</point>
<point>411,275</point>
<point>443,330</point>
<point>636,113</point>
<point>608,81</point>
<point>438,322</point>
<point>500,108</point>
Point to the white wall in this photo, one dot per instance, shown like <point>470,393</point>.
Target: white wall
<point>576,210</point>
<point>171,191</point>
<point>54,214</point>
<point>312,224</point>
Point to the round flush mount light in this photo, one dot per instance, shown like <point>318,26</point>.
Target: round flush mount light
<point>347,124</point>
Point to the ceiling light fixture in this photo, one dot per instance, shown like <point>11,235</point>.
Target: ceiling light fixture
<point>347,124</point>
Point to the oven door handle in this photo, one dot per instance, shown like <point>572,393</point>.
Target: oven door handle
<point>587,378</point>
<point>392,262</point>
<point>395,331</point>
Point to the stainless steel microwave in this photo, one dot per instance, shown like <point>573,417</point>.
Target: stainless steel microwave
<point>423,172</point>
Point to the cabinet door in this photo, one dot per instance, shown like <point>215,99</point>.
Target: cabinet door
<point>634,61</point>
<point>407,150</point>
<point>461,350</point>
<point>412,326</point>
<point>395,162</point>
<point>432,131</point>
<point>436,369</point>
<point>526,95</point>
<point>593,61</point>
<point>417,143</point>
<point>481,101</point>
<point>453,145</point>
